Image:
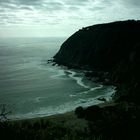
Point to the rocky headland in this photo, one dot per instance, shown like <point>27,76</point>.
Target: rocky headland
<point>111,52</point>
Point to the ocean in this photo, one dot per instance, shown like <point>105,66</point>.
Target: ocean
<point>30,87</point>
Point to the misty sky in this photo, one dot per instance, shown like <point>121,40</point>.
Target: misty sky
<point>40,18</point>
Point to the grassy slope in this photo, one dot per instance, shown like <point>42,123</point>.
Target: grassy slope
<point>63,126</point>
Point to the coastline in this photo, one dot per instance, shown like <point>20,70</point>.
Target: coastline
<point>88,97</point>
<point>59,127</point>
<point>66,115</point>
<point>118,119</point>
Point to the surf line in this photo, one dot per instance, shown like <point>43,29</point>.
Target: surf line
<point>92,89</point>
<point>77,79</point>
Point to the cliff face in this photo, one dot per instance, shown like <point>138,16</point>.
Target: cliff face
<point>112,47</point>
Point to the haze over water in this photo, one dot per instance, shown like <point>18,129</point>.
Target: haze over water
<point>32,88</point>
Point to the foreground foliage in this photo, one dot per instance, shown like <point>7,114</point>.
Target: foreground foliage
<point>118,122</point>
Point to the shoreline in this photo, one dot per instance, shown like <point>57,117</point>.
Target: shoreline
<point>65,114</point>
<point>100,104</point>
<point>80,79</point>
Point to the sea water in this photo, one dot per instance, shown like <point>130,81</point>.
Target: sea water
<point>30,87</point>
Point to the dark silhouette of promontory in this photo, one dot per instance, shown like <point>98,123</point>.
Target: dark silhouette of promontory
<point>113,48</point>
<point>112,52</point>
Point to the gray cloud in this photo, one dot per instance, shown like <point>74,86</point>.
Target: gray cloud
<point>53,6</point>
<point>97,8</point>
<point>18,3</point>
<point>68,14</point>
<point>133,2</point>
<point>26,8</point>
<point>28,2</point>
<point>76,2</point>
<point>107,2</point>
<point>5,1</point>
<point>73,8</point>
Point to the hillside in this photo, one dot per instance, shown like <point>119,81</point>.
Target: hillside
<point>113,48</point>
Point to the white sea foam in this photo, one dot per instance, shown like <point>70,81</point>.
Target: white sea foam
<point>92,89</point>
<point>48,111</point>
<point>59,74</point>
<point>69,106</point>
<point>72,95</point>
<point>110,93</point>
<point>77,78</point>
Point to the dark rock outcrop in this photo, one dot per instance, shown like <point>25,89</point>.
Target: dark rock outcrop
<point>113,48</point>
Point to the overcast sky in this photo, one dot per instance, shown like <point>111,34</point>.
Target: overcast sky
<point>40,18</point>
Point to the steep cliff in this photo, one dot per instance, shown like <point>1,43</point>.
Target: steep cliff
<point>112,47</point>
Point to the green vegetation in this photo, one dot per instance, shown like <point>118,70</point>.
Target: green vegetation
<point>117,121</point>
<point>59,127</point>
